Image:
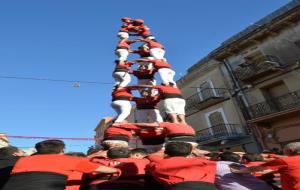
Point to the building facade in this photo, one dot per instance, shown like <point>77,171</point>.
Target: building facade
<point>3,140</point>
<point>212,108</point>
<point>248,89</point>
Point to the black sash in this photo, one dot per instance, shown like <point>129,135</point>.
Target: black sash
<point>191,185</point>
<point>120,98</point>
<point>36,181</point>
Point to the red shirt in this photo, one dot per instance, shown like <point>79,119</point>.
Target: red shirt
<point>159,64</point>
<point>55,163</point>
<point>153,44</point>
<point>148,133</point>
<point>129,167</point>
<point>177,129</point>
<point>128,27</point>
<point>122,94</point>
<point>144,31</point>
<point>74,181</point>
<point>174,170</point>
<point>168,89</point>
<point>168,92</point>
<point>132,166</point>
<point>124,44</point>
<point>125,26</point>
<point>122,129</point>
<point>289,169</point>
<point>146,103</point>
<point>95,179</point>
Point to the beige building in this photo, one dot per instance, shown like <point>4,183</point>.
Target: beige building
<point>212,109</point>
<point>3,140</point>
<point>249,85</point>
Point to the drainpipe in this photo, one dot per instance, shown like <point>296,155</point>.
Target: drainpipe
<point>242,98</point>
<point>236,85</point>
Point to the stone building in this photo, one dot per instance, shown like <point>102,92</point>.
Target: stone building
<point>249,85</point>
<point>3,140</point>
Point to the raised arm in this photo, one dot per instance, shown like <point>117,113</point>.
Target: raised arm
<point>106,170</point>
<point>237,170</point>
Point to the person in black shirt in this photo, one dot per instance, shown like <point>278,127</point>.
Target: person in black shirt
<point>8,157</point>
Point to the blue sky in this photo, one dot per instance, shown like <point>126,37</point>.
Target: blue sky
<point>75,39</point>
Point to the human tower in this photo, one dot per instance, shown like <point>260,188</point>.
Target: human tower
<point>149,125</point>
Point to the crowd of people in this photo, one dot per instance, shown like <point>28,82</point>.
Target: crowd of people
<point>177,164</point>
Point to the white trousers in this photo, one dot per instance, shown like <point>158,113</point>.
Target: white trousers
<point>122,54</point>
<point>166,75</point>
<point>174,105</point>
<point>123,35</point>
<point>157,53</point>
<point>148,116</point>
<point>123,109</point>
<point>122,79</point>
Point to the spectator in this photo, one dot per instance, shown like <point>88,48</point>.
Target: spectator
<point>8,158</point>
<point>225,180</point>
<point>49,169</point>
<point>177,172</point>
<point>138,153</point>
<point>92,150</point>
<point>119,152</point>
<point>288,167</point>
<point>133,171</point>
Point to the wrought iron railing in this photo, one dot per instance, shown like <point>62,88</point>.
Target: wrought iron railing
<point>273,105</point>
<point>192,102</point>
<point>251,69</point>
<point>221,131</point>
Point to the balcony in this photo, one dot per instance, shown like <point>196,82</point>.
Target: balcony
<point>220,132</point>
<point>252,70</point>
<point>205,98</point>
<point>274,105</point>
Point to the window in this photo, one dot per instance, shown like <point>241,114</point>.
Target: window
<point>216,118</point>
<point>206,90</point>
<point>217,121</point>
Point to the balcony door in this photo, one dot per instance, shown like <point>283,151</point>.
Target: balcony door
<point>217,122</point>
<point>206,90</point>
<point>276,96</point>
